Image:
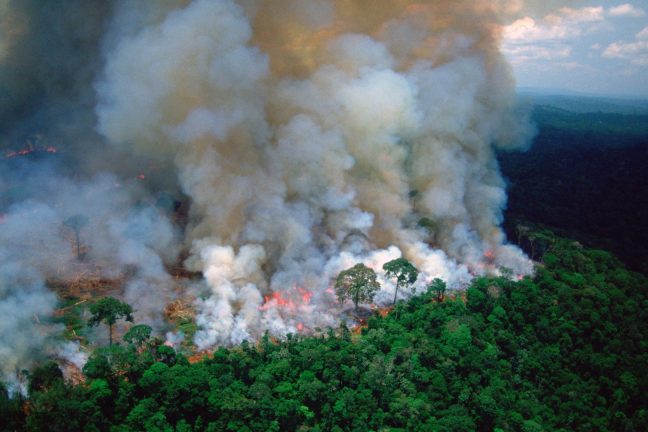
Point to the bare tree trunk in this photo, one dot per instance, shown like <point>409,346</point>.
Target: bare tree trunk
<point>356,300</point>
<point>396,292</point>
<point>110,335</point>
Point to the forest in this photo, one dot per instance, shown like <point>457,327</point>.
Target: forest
<point>584,176</point>
<point>562,350</point>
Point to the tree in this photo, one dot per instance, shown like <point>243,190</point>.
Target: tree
<point>404,272</point>
<point>138,334</point>
<point>109,310</point>
<point>357,283</point>
<point>438,286</point>
<point>75,223</point>
<point>44,377</point>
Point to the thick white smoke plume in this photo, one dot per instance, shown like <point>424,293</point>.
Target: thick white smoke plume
<point>314,134</point>
<point>265,144</point>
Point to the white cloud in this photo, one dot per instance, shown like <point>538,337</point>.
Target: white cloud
<point>626,10</point>
<point>636,52</point>
<point>522,54</point>
<point>643,34</point>
<point>527,30</point>
<point>586,14</point>
<point>528,39</point>
<point>566,23</point>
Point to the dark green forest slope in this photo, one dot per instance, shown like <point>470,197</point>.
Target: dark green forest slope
<point>584,176</point>
<point>564,350</point>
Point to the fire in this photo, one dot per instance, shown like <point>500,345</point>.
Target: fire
<point>30,149</point>
<point>305,295</point>
<point>300,327</point>
<point>285,300</point>
<point>277,299</point>
<point>21,152</point>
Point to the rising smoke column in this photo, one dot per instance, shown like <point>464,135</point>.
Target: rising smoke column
<point>50,54</point>
<point>314,134</point>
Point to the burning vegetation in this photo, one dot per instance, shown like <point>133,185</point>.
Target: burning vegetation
<point>220,163</point>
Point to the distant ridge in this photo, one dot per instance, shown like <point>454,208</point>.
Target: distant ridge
<point>581,102</point>
<point>543,91</point>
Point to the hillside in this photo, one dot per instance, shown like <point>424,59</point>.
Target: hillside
<point>585,177</point>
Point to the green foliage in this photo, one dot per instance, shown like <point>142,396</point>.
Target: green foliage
<point>585,176</point>
<point>71,316</point>
<point>109,310</point>
<point>438,287</point>
<point>44,377</point>
<point>358,283</point>
<point>404,272</point>
<point>562,351</point>
<point>11,413</point>
<point>138,334</point>
<point>189,328</point>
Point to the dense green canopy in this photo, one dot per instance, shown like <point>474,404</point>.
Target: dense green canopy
<point>563,351</point>
<point>358,283</point>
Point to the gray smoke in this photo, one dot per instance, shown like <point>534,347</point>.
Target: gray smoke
<point>303,135</point>
<point>300,136</point>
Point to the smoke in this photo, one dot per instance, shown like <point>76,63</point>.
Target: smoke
<point>22,333</point>
<point>316,134</point>
<point>298,137</point>
<point>125,235</point>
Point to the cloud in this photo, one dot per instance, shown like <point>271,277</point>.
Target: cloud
<point>626,10</point>
<point>529,30</point>
<point>643,34</point>
<point>636,52</point>
<point>566,23</point>
<point>568,15</point>
<point>522,54</point>
<point>528,39</point>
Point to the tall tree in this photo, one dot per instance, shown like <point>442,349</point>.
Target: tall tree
<point>109,310</point>
<point>75,223</point>
<point>437,286</point>
<point>404,272</point>
<point>358,283</point>
<point>138,334</point>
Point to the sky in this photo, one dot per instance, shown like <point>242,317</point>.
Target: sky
<point>593,47</point>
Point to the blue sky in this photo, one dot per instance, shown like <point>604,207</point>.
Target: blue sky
<point>594,47</point>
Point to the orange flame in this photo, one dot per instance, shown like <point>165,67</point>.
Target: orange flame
<point>285,301</point>
<point>29,150</point>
